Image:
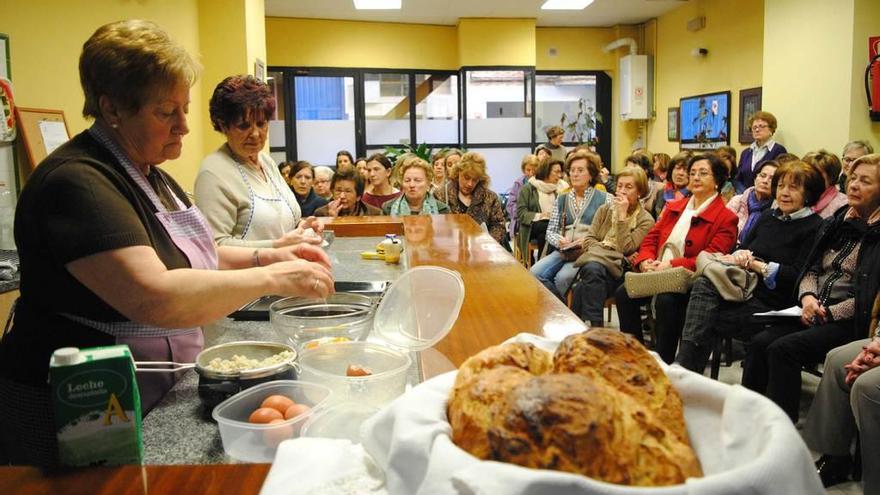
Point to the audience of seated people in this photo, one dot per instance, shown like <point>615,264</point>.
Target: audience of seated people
<point>570,219</point>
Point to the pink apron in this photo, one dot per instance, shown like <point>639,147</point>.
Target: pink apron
<point>190,232</point>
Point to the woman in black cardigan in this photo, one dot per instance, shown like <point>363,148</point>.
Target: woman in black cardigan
<point>775,249</point>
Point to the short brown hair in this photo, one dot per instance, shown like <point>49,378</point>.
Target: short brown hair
<point>680,159</point>
<point>826,162</point>
<point>554,131</point>
<point>546,165</point>
<point>594,164</point>
<point>767,117</point>
<point>638,176</point>
<point>350,174</point>
<point>528,160</point>
<point>801,174</point>
<point>474,163</point>
<point>236,97</point>
<point>417,163</point>
<point>127,61</point>
<point>663,160</point>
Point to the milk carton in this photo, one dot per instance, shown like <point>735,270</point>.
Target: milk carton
<point>97,406</point>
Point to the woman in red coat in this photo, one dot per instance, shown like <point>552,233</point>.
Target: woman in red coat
<point>698,223</point>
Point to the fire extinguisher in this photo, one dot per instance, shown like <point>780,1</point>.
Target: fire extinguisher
<point>872,71</point>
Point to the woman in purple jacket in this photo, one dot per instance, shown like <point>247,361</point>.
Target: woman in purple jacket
<point>763,126</point>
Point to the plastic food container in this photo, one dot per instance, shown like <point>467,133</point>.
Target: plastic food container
<point>339,421</point>
<point>251,442</point>
<point>300,320</point>
<point>417,311</point>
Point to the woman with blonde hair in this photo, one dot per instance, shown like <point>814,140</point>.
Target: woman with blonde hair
<point>415,175</point>
<point>468,192</point>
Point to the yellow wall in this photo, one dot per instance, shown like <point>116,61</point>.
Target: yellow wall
<point>233,36</point>
<point>734,36</point>
<point>46,38</point>
<point>323,43</point>
<point>576,48</point>
<point>866,23</point>
<point>808,72</point>
<point>496,42</point>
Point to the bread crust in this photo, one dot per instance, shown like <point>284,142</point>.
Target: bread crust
<point>601,407</point>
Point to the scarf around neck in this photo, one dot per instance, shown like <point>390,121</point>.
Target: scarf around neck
<point>400,207</point>
<point>756,207</point>
<point>670,193</point>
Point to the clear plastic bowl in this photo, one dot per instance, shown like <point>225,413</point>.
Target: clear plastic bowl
<point>300,320</point>
<point>327,365</point>
<point>340,421</point>
<point>251,442</point>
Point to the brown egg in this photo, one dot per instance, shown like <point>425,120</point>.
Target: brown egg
<point>264,415</point>
<point>274,436</point>
<point>295,410</point>
<point>278,402</point>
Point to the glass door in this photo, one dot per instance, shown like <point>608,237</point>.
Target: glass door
<point>324,113</point>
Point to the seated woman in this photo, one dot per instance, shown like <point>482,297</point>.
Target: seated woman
<point>469,193</point>
<point>344,159</point>
<point>755,200</point>
<point>775,248</point>
<point>690,226</point>
<point>654,188</point>
<point>348,187</point>
<point>323,176</point>
<point>845,409</point>
<point>528,165</point>
<point>728,156</point>
<point>238,188</point>
<point>360,165</point>
<point>829,166</point>
<point>453,156</point>
<point>535,204</point>
<point>379,189</point>
<point>302,179</point>
<point>569,221</point>
<point>415,175</point>
<point>676,183</point>
<point>836,290</point>
<point>619,226</point>
<point>851,151</point>
<point>661,167</point>
<point>112,251</point>
<point>438,184</point>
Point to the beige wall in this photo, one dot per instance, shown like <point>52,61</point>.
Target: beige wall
<point>46,38</point>
<point>496,42</point>
<point>734,36</point>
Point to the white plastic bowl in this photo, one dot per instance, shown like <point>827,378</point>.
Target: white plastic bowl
<point>251,442</point>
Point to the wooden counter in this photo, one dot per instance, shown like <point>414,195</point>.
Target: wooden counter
<point>501,299</point>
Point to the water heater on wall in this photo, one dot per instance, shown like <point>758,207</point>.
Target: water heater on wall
<point>635,75</point>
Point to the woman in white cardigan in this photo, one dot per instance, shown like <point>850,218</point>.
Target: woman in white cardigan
<point>239,188</point>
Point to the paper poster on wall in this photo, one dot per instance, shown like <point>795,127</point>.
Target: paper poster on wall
<point>54,134</point>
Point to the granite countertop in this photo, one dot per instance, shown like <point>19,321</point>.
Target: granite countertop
<point>11,256</point>
<point>177,432</point>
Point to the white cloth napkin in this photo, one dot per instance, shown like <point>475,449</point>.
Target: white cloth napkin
<point>325,466</point>
<point>746,444</point>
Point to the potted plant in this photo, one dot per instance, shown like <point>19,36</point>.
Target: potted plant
<point>581,127</point>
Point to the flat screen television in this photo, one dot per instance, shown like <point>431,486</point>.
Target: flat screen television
<point>705,121</point>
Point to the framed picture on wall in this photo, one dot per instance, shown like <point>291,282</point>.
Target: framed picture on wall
<point>672,124</point>
<point>749,103</point>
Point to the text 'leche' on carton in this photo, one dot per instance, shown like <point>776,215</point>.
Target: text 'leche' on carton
<point>97,406</point>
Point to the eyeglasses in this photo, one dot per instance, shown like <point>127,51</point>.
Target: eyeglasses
<point>758,127</point>
<point>700,173</point>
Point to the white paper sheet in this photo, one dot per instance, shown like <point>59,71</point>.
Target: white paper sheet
<point>54,134</point>
<point>792,311</point>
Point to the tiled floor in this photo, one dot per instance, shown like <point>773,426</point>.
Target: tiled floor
<point>733,375</point>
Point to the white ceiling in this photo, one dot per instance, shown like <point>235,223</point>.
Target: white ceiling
<point>447,12</point>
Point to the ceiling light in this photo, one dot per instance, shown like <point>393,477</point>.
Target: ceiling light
<point>377,4</point>
<point>566,4</point>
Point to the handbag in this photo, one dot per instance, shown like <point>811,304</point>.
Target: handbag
<point>611,259</point>
<point>733,282</point>
<point>677,280</point>
<point>572,232</point>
